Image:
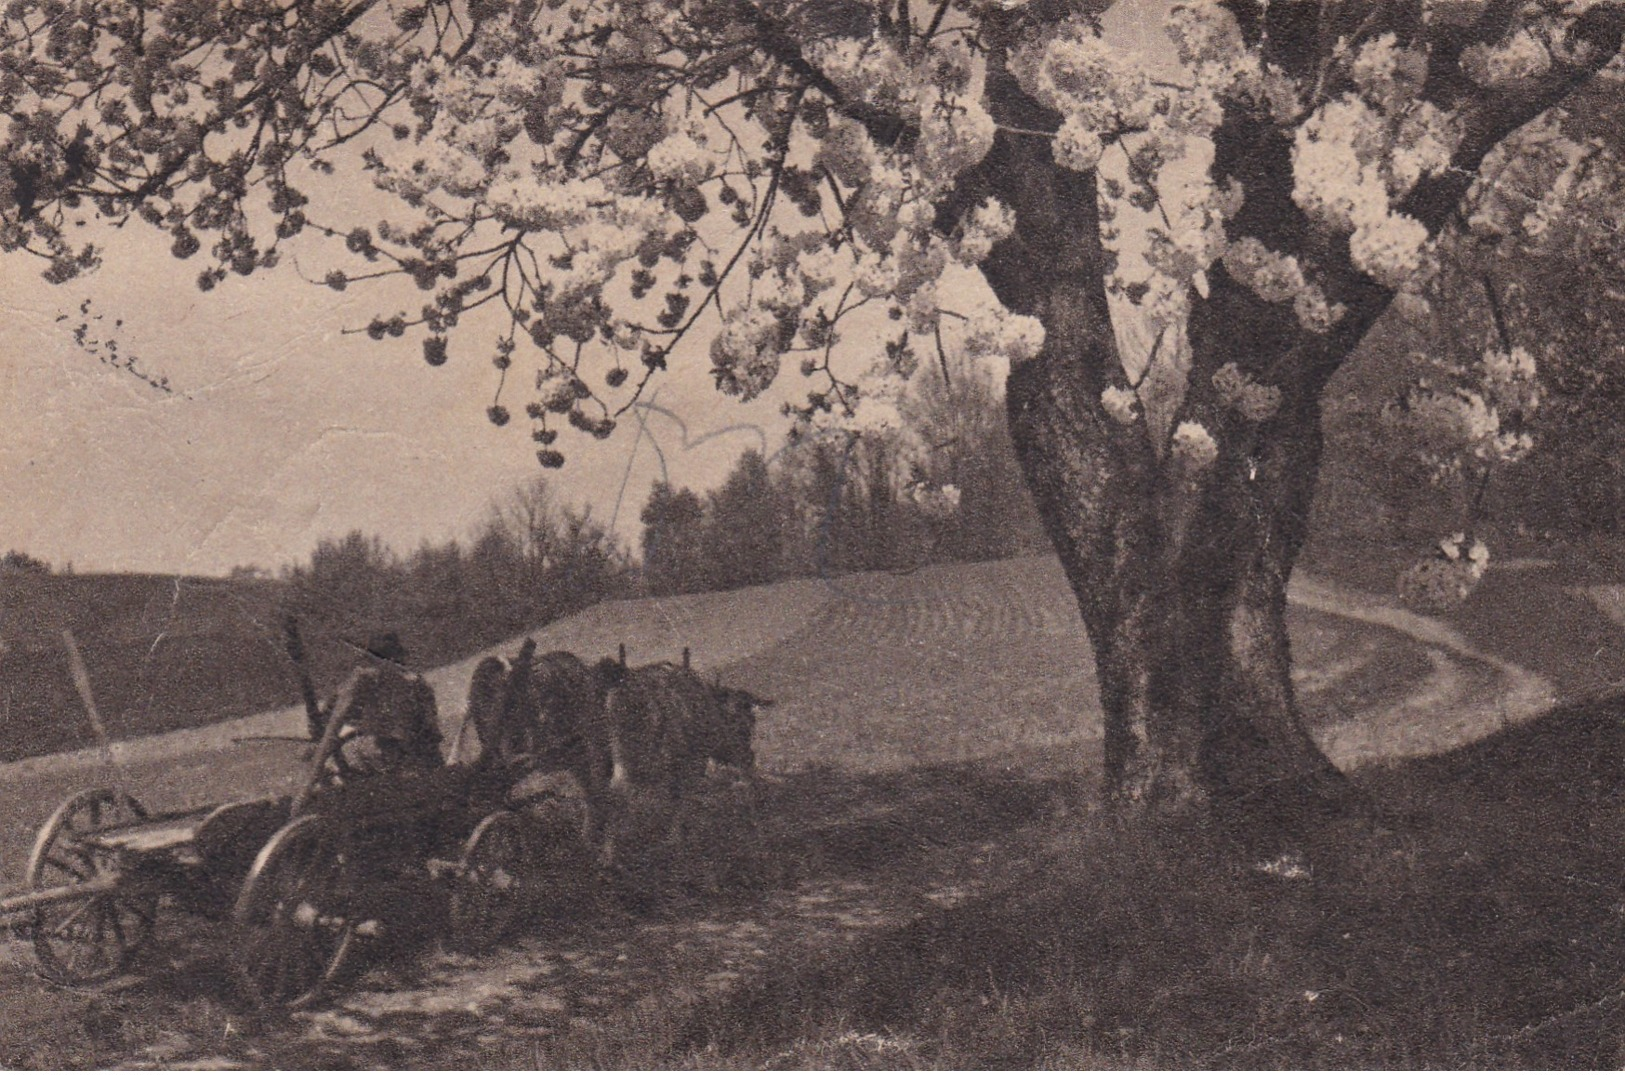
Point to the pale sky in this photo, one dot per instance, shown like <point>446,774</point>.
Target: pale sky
<point>281,430</point>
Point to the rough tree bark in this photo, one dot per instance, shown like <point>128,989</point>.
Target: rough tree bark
<point>1181,578</point>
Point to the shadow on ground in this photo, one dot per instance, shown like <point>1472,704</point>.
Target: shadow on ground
<point>968,916</point>
<point>1480,923</point>
<point>605,976</point>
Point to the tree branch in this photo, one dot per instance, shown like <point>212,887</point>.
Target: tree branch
<point>1595,38</point>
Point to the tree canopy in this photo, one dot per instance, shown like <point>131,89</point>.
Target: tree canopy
<point>602,172</point>
<point>589,183</point>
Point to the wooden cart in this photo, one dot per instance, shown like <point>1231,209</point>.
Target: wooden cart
<point>302,880</point>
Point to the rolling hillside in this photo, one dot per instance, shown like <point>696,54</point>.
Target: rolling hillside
<point>921,784</point>
<point>871,673</point>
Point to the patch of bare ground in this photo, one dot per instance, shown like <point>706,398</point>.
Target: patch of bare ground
<point>835,859</point>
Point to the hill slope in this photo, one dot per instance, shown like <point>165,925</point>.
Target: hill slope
<point>921,767</point>
<point>163,651</point>
<point>871,673</point>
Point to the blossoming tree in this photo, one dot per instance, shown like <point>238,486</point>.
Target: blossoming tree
<point>602,180</point>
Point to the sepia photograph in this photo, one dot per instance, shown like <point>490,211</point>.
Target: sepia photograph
<point>812,534</point>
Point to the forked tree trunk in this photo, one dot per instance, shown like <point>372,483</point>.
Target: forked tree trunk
<point>1181,577</point>
<point>1182,586</point>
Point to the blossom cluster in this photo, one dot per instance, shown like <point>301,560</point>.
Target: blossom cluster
<point>1236,390</point>
<point>1435,584</point>
<point>1349,171</point>
<point>1193,446</point>
<point>937,500</point>
<point>1517,56</point>
<point>684,155</point>
<point>1279,278</point>
<point>1123,404</point>
<point>939,88</point>
<point>1445,579</point>
<point>1091,84</point>
<point>1208,41</point>
<point>1463,416</point>
<point>1481,413</point>
<point>981,229</point>
<point>996,332</point>
<point>745,353</point>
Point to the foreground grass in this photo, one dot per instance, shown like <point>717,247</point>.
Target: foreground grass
<point>1475,921</point>
<point>1478,923</point>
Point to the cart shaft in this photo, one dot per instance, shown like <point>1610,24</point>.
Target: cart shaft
<point>24,902</point>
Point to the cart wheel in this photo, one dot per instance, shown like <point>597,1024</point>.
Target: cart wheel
<point>82,941</point>
<point>292,932</point>
<point>492,884</point>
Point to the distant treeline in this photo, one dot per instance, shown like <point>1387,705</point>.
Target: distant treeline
<point>941,486</point>
<point>167,652</point>
<point>534,560</point>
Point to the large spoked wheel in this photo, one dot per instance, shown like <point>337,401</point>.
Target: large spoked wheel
<point>88,939</point>
<point>492,884</point>
<point>292,930</point>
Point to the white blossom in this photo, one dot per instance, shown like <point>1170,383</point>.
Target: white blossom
<point>996,332</point>
<point>1078,74</point>
<point>821,267</point>
<point>1437,584</point>
<point>1193,446</point>
<point>1277,277</point>
<point>745,353</point>
<point>1388,248</point>
<point>921,312</point>
<point>847,151</point>
<point>1335,157</point>
<point>873,209</point>
<point>1236,390</point>
<point>876,275</point>
<point>939,500</point>
<point>875,413</point>
<point>1315,312</point>
<point>679,156</point>
<point>1427,139</point>
<point>869,70</point>
<point>1518,56</point>
<point>983,227</point>
<point>1121,403</point>
<point>1076,146</point>
<point>1279,93</point>
<point>1517,364</point>
<point>1387,74</point>
<point>955,134</point>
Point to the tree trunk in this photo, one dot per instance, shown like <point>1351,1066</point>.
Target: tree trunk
<point>1181,571</point>
<point>1181,579</point>
<point>1181,576</point>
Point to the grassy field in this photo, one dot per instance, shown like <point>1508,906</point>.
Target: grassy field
<point>936,886</point>
<point>1478,924</point>
<point>163,652</point>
